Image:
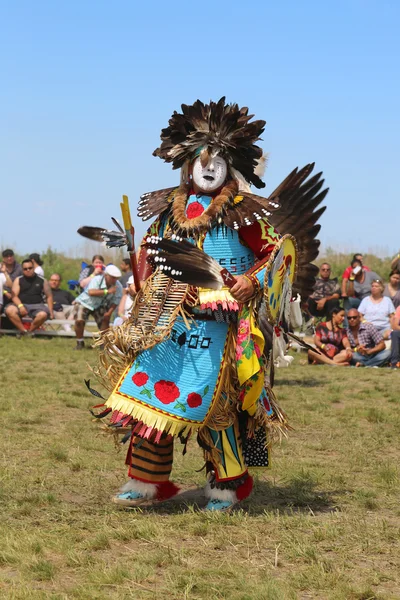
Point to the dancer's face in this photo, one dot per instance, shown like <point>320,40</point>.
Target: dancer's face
<point>210,178</point>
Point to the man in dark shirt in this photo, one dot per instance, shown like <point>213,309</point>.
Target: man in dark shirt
<point>367,344</point>
<point>125,268</point>
<point>325,296</point>
<point>13,269</point>
<point>62,301</point>
<point>27,299</point>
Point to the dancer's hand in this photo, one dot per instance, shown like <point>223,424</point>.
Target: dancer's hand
<point>243,289</point>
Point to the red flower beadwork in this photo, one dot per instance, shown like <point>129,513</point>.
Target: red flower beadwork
<point>140,378</point>
<point>195,209</point>
<point>166,391</point>
<point>194,400</point>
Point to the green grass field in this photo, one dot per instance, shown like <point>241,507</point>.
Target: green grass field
<point>323,523</point>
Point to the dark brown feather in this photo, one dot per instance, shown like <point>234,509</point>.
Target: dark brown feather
<point>113,239</point>
<point>183,261</point>
<point>300,197</point>
<point>153,204</point>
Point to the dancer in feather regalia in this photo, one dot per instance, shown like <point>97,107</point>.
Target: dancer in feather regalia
<point>219,268</point>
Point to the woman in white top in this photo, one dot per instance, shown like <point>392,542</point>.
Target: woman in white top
<point>37,263</point>
<point>378,309</point>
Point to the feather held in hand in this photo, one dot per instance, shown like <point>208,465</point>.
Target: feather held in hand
<point>181,260</point>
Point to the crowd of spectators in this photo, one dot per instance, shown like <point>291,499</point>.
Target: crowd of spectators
<point>356,322</point>
<point>27,299</point>
<point>368,308</point>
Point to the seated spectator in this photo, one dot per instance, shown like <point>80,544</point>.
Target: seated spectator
<point>331,340</point>
<point>126,302</point>
<point>395,264</point>
<point>395,339</point>
<point>96,268</point>
<point>13,269</point>
<point>325,296</point>
<point>126,271</point>
<point>359,283</point>
<point>351,302</point>
<point>5,282</point>
<point>27,299</point>
<point>99,299</point>
<point>367,344</point>
<point>62,300</point>
<point>392,289</point>
<point>378,309</point>
<point>37,263</point>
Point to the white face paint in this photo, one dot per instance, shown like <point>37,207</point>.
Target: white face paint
<point>211,177</point>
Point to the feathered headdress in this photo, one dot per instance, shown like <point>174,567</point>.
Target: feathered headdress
<point>215,128</point>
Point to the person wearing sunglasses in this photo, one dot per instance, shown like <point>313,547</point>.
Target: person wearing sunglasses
<point>27,299</point>
<point>325,296</point>
<point>367,344</point>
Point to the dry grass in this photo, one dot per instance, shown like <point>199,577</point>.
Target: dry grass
<point>323,523</point>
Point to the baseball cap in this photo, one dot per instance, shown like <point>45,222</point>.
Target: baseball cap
<point>113,271</point>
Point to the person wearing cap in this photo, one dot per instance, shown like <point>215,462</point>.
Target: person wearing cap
<point>11,270</point>
<point>99,299</point>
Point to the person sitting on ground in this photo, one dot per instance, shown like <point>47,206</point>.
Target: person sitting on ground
<point>395,339</point>
<point>37,263</point>
<point>378,309</point>
<point>13,270</point>
<point>392,289</point>
<point>325,296</point>
<point>367,344</point>
<point>96,268</point>
<point>359,283</point>
<point>126,302</point>
<point>125,268</point>
<point>331,340</point>
<point>27,299</point>
<point>62,299</point>
<point>347,272</point>
<point>99,299</point>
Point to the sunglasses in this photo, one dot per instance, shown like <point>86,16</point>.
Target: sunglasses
<point>27,268</point>
<point>325,269</point>
<point>350,318</point>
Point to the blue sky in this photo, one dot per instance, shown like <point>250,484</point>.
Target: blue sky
<point>87,86</point>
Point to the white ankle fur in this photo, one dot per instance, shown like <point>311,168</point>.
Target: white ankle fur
<point>148,490</point>
<point>217,494</point>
